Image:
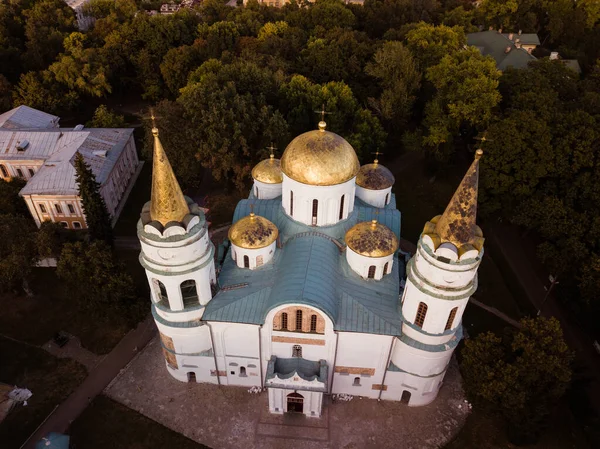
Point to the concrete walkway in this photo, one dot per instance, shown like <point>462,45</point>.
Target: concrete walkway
<point>99,377</point>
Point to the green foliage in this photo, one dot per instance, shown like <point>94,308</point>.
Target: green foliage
<point>429,43</point>
<point>219,37</point>
<point>18,251</point>
<point>94,208</point>
<point>498,12</point>
<point>100,281</point>
<point>49,239</point>
<point>5,94</point>
<point>179,62</point>
<point>522,376</point>
<point>104,118</point>
<point>383,15</point>
<point>40,90</point>
<point>10,201</point>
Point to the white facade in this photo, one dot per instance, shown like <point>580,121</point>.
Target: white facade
<point>252,258</point>
<point>362,264</point>
<point>317,205</point>
<point>264,191</point>
<point>376,198</point>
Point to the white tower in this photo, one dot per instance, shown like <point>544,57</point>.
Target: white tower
<point>178,257</point>
<point>441,277</point>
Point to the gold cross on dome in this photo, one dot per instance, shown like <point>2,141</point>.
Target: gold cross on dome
<point>272,149</point>
<point>377,153</point>
<point>322,112</point>
<point>483,139</point>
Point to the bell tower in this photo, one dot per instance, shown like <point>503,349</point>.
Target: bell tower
<point>178,257</point>
<point>441,277</point>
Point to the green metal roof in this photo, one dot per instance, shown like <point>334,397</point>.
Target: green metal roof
<point>494,44</point>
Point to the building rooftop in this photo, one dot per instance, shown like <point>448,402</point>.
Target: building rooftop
<point>496,45</point>
<point>24,117</point>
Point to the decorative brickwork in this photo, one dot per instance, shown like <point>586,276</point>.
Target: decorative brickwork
<point>307,315</point>
<point>355,370</point>
<point>378,387</point>
<point>300,341</point>
<point>221,373</point>
<point>170,358</point>
<point>167,342</point>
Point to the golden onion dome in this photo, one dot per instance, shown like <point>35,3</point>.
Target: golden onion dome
<point>374,177</point>
<point>320,158</point>
<point>253,232</point>
<point>268,171</point>
<point>371,239</point>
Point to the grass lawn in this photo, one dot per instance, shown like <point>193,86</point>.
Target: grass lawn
<point>35,320</point>
<point>108,424</point>
<point>50,380</point>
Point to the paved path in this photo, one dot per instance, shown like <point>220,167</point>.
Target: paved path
<point>496,312</point>
<point>99,377</point>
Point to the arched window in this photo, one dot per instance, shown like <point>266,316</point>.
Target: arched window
<point>387,198</point>
<point>356,382</point>
<point>243,371</point>
<point>161,292</point>
<point>256,191</point>
<point>299,320</point>
<point>246,262</point>
<point>291,203</point>
<point>385,267</point>
<point>371,274</point>
<point>233,253</point>
<point>315,211</point>
<point>284,321</point>
<point>297,351</point>
<point>451,319</point>
<point>189,294</point>
<point>313,323</point>
<point>342,207</point>
<point>421,313</point>
<point>4,171</point>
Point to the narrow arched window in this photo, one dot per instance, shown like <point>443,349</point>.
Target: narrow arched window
<point>299,320</point>
<point>387,198</point>
<point>385,267</point>
<point>162,292</point>
<point>356,382</point>
<point>284,321</point>
<point>313,323</point>
<point>451,319</point>
<point>189,294</point>
<point>291,203</point>
<point>421,313</point>
<point>342,207</point>
<point>4,171</point>
<point>296,351</point>
<point>256,191</point>
<point>371,274</point>
<point>246,262</point>
<point>315,211</point>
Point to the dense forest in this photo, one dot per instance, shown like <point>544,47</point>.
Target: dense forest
<point>395,76</point>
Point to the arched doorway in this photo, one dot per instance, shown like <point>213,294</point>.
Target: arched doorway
<point>405,399</point>
<point>191,376</point>
<point>295,403</point>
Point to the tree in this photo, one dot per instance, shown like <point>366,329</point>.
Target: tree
<point>50,239</point>
<point>105,118</point>
<point>40,90</point>
<point>179,62</point>
<point>18,252</point>
<point>94,208</point>
<point>521,377</point>
<point>100,281</point>
<point>399,77</point>
<point>498,13</point>
<point>10,201</point>
<point>5,94</point>
<point>429,43</point>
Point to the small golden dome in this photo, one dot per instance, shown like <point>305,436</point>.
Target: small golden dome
<point>371,239</point>
<point>268,171</point>
<point>253,232</point>
<point>320,158</point>
<point>374,177</point>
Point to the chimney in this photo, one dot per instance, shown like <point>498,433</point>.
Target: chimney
<point>520,32</point>
<point>553,55</point>
<point>507,49</point>
<point>511,35</point>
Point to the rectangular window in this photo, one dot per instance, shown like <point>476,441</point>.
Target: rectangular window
<point>291,203</point>
<point>19,173</point>
<point>313,323</point>
<point>342,207</point>
<point>71,208</point>
<point>58,208</point>
<point>42,209</point>
<point>31,172</point>
<point>284,321</point>
<point>299,320</point>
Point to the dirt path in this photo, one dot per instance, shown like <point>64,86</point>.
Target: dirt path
<point>99,377</point>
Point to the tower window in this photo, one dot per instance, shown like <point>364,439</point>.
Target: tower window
<point>299,320</point>
<point>342,207</point>
<point>284,321</point>
<point>371,273</point>
<point>385,267</point>
<point>421,313</point>
<point>189,294</point>
<point>315,210</point>
<point>246,262</point>
<point>297,351</point>
<point>451,319</point>
<point>291,203</point>
<point>313,323</point>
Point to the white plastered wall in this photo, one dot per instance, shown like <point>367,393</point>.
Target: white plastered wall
<point>329,200</point>
<point>376,198</point>
<point>256,257</point>
<point>313,401</point>
<point>264,191</point>
<point>360,264</point>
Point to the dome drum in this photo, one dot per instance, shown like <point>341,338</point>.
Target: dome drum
<point>266,191</point>
<point>370,249</point>
<point>253,240</point>
<point>375,198</point>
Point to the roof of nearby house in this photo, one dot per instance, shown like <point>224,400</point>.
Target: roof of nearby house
<point>524,38</point>
<point>25,117</point>
<point>573,64</point>
<point>310,269</point>
<point>495,44</point>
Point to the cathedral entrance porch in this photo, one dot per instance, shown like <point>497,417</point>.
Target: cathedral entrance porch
<point>295,403</point>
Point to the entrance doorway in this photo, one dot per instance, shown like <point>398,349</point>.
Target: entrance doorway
<point>191,376</point>
<point>405,397</point>
<point>295,403</point>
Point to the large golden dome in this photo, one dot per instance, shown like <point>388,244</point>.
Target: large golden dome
<point>268,171</point>
<point>320,158</point>
<point>253,232</point>
<point>371,239</point>
<point>374,177</point>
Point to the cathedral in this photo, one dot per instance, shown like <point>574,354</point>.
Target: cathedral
<point>310,294</point>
